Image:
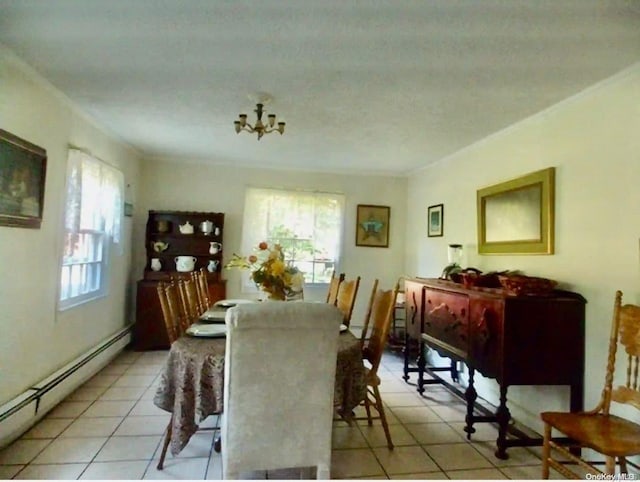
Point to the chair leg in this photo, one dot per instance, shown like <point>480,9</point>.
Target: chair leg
<point>623,465</point>
<point>383,417</point>
<point>165,445</point>
<point>546,451</point>
<point>610,464</point>
<point>367,407</point>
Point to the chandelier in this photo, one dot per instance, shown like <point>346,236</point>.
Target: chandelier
<point>259,126</point>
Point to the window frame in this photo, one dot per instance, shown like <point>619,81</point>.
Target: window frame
<point>108,237</point>
<point>247,285</point>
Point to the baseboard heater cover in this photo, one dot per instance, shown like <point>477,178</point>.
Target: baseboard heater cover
<point>26,409</point>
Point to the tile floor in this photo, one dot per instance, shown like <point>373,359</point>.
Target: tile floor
<point>109,428</point>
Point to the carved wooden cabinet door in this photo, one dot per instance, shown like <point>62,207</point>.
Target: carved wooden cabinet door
<point>413,305</point>
<point>486,327</point>
<point>446,319</point>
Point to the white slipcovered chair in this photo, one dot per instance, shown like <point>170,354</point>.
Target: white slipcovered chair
<point>279,375</point>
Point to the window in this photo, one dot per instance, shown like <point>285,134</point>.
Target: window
<point>93,212</point>
<point>308,226</point>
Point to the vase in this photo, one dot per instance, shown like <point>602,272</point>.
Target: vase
<point>276,295</point>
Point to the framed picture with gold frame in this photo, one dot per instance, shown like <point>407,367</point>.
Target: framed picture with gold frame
<point>372,226</point>
<point>517,216</point>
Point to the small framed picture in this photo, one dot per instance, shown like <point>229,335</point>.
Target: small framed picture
<point>128,209</point>
<point>435,220</point>
<point>372,226</point>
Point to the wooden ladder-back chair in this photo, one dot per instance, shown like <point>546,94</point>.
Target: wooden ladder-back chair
<point>367,316</point>
<point>347,293</point>
<point>599,430</point>
<point>203,285</point>
<point>380,317</point>
<point>201,299</point>
<point>334,285</point>
<point>189,296</point>
<point>170,316</point>
<point>174,299</point>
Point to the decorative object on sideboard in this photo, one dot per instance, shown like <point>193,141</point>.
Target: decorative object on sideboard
<point>156,265</point>
<point>435,220</point>
<point>215,247</point>
<point>185,263</point>
<point>454,257</point>
<point>23,169</point>
<point>517,216</point>
<point>259,127</point>
<point>521,285</point>
<point>159,246</point>
<point>473,277</point>
<point>206,227</point>
<point>186,228</point>
<point>213,265</point>
<point>372,226</point>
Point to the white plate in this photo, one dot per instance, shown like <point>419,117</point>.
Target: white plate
<point>213,315</point>
<point>230,303</point>
<point>207,331</point>
<point>343,328</point>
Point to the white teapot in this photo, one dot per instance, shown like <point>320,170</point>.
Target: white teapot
<point>185,263</point>
<point>186,228</point>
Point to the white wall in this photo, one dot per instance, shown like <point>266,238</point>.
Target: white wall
<point>593,141</point>
<point>35,339</point>
<point>173,186</point>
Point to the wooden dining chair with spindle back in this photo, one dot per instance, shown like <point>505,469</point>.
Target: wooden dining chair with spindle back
<point>174,300</point>
<point>380,318</point>
<point>367,316</point>
<point>607,434</point>
<point>334,285</point>
<point>346,299</point>
<point>189,299</point>
<point>203,287</point>
<point>170,316</point>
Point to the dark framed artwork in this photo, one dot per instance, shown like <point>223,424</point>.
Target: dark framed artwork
<point>372,226</point>
<point>23,168</point>
<point>435,220</point>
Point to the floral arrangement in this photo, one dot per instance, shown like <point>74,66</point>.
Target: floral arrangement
<point>270,272</point>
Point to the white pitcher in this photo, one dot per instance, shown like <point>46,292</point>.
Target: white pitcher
<point>213,265</point>
<point>156,265</point>
<point>214,247</point>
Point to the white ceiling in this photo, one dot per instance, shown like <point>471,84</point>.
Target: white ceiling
<point>364,86</point>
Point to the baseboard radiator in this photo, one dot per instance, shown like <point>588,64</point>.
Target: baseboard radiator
<point>19,414</point>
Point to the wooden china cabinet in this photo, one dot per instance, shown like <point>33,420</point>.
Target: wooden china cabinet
<point>170,234</point>
<point>517,340</point>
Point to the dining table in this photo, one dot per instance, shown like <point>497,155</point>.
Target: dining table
<point>192,382</point>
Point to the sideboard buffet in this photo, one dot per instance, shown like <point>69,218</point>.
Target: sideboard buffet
<point>176,242</point>
<point>517,340</point>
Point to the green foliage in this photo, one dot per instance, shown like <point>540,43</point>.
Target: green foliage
<point>293,247</point>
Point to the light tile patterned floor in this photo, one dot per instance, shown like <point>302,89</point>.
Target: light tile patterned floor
<point>110,429</point>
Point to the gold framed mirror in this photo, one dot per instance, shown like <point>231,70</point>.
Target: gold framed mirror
<point>517,216</point>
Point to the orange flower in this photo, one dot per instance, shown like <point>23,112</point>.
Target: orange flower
<point>263,245</point>
<point>253,258</point>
